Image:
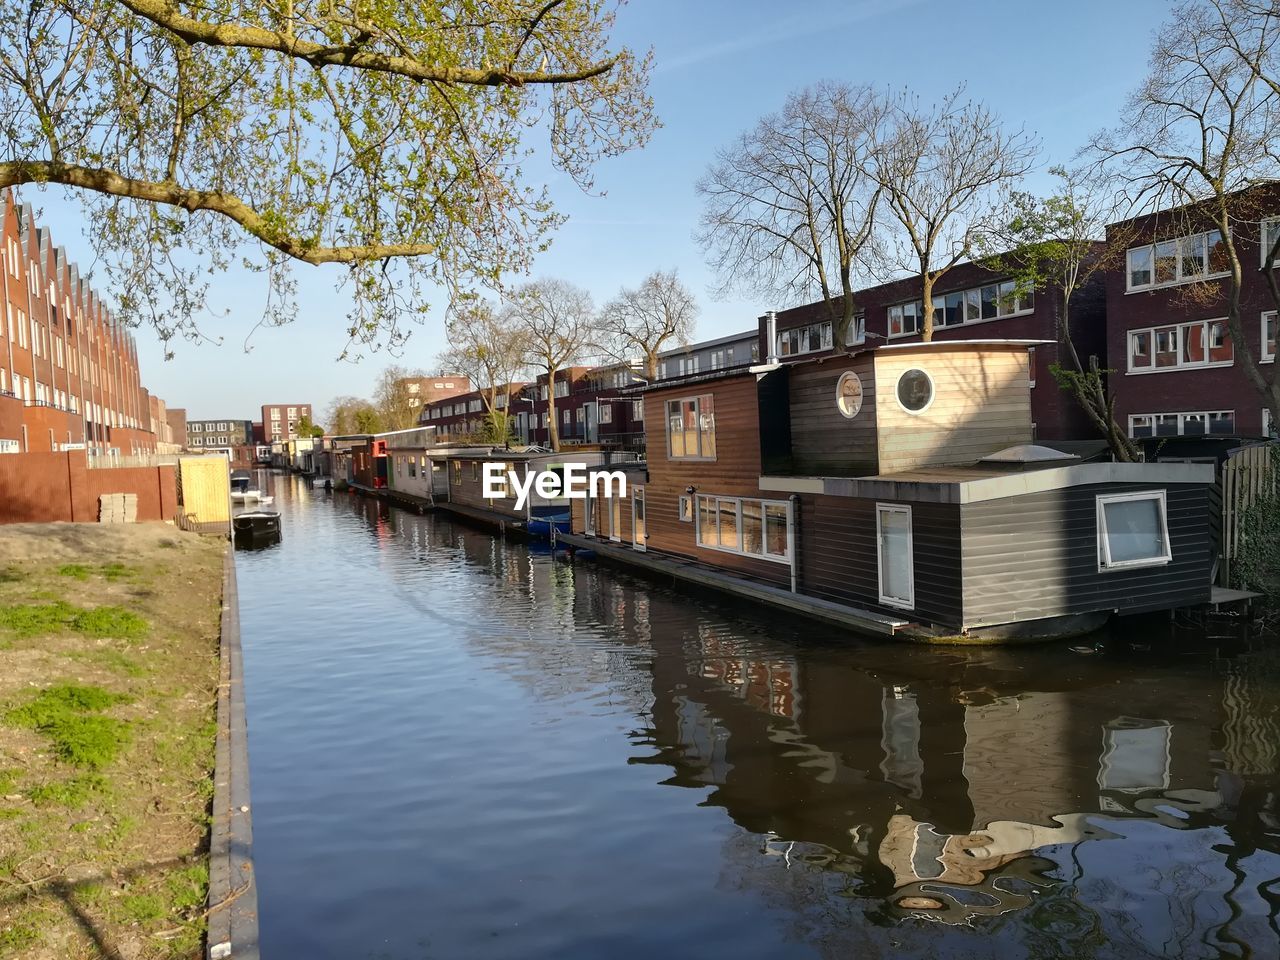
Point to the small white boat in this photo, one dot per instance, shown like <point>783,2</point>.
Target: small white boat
<point>241,492</point>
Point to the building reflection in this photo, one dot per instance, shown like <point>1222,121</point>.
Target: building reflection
<point>959,789</point>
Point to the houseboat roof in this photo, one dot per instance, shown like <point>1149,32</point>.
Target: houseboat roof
<point>978,482</point>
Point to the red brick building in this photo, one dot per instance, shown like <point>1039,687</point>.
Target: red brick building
<point>280,420</point>
<point>68,370</point>
<point>1177,372</point>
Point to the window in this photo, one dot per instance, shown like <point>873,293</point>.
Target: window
<point>895,555</point>
<point>1222,422</point>
<point>562,388</point>
<point>989,302</point>
<point>606,412</point>
<point>1202,343</point>
<point>1268,336</point>
<point>1269,230</point>
<point>686,509</point>
<point>1133,530</point>
<point>857,332</point>
<point>849,394</point>
<point>457,473</point>
<point>475,469</point>
<point>1180,260</point>
<point>915,391</point>
<point>1268,427</point>
<point>637,409</point>
<point>275,413</point>
<point>691,428</point>
<point>758,528</point>
<point>565,416</point>
<point>293,413</point>
<point>806,339</point>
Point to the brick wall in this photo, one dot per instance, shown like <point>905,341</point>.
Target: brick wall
<point>60,488</point>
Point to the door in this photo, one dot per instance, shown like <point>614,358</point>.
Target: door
<point>638,535</point>
<point>589,505</point>
<point>591,415</point>
<point>896,560</point>
<point>615,517</point>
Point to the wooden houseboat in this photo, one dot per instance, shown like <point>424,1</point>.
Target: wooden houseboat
<point>539,514</point>
<point>898,491</point>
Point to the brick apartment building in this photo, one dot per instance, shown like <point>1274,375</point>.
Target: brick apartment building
<point>280,421</point>
<point>219,434</point>
<point>68,370</point>
<point>970,302</point>
<point>177,420</point>
<point>1176,369</point>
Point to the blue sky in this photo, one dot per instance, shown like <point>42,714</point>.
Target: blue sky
<point>720,64</point>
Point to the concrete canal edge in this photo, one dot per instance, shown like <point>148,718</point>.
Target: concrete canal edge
<point>233,892</point>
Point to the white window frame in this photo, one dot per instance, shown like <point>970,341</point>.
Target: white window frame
<point>904,603</point>
<point>1022,304</point>
<point>805,332</point>
<point>697,412</point>
<point>1182,416</point>
<point>1266,422</point>
<point>764,527</point>
<point>1263,246</point>
<point>686,514</point>
<point>1178,347</point>
<point>1104,546</point>
<point>1263,355</point>
<point>1179,279</point>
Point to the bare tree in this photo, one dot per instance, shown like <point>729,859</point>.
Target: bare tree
<point>1059,244</point>
<point>944,171</point>
<point>790,206</point>
<point>397,402</point>
<point>487,345</point>
<point>312,132</point>
<point>1201,136</point>
<point>641,323</point>
<point>558,322</point>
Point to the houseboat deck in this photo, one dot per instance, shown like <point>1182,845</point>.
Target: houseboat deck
<point>864,621</point>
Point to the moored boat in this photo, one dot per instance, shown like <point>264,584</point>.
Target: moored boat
<point>256,527</point>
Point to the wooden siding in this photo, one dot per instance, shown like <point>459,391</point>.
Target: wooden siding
<point>824,442</point>
<point>469,493</point>
<point>735,472</point>
<point>981,404</point>
<point>1037,556</point>
<point>839,556</point>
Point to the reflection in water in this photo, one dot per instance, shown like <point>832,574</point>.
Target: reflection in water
<point>871,798</point>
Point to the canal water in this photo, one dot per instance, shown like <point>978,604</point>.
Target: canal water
<point>463,748</point>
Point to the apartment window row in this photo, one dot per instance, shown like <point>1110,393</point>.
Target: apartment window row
<point>807,339</point>
<point>1180,260</point>
<point>989,302</point>
<point>1195,423</point>
<point>691,428</point>
<point>756,528</point>
<point>1203,343</point>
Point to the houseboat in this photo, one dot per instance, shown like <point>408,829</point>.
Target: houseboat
<point>539,515</point>
<point>898,491</point>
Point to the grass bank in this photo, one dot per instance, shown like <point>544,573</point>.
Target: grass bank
<point>108,684</point>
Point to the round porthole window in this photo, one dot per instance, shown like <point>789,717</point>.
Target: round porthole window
<point>915,391</point>
<point>849,394</point>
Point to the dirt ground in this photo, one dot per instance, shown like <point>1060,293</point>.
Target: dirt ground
<point>108,677</point>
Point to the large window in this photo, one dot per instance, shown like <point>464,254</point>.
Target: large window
<point>691,428</point>
<point>1268,337</point>
<point>1202,343</point>
<point>1182,424</point>
<point>807,339</point>
<point>895,555</point>
<point>990,302</point>
<point>1133,530</point>
<point>1180,260</point>
<point>1270,229</point>
<point>758,528</point>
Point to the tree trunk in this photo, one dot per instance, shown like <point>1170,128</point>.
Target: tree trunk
<point>553,428</point>
<point>926,304</point>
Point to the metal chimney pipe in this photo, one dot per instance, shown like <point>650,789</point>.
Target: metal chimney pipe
<point>772,328</point>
